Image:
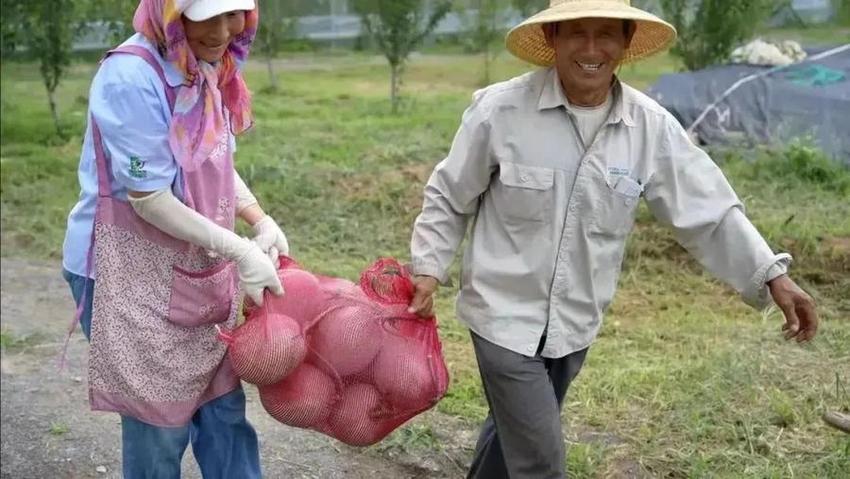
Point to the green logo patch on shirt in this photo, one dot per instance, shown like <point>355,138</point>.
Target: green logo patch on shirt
<point>137,168</point>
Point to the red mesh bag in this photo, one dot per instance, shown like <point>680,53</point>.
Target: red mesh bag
<point>370,365</point>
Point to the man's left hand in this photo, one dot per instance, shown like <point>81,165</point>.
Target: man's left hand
<point>801,318</point>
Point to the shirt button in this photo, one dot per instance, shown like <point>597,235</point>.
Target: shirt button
<point>523,179</point>
<point>530,349</point>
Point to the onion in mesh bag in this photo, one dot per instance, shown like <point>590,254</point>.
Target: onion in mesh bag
<point>402,374</point>
<point>266,348</point>
<point>302,298</point>
<point>348,338</point>
<point>340,286</point>
<point>353,420</point>
<point>302,399</point>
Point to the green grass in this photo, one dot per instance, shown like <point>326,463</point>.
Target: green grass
<point>11,342</point>
<point>410,439</point>
<point>684,381</point>
<point>58,429</point>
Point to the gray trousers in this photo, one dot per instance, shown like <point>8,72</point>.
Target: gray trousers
<point>522,437</point>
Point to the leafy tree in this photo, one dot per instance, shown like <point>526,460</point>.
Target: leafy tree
<point>275,29</point>
<point>12,23</point>
<point>485,20</point>
<point>46,29</point>
<point>710,29</point>
<point>398,27</point>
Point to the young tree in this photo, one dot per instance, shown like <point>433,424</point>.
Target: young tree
<point>275,28</point>
<point>711,29</point>
<point>46,29</point>
<point>485,21</point>
<point>398,27</point>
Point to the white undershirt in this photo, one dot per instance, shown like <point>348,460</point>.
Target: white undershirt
<point>590,119</point>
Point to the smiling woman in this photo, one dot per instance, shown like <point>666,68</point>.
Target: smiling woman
<point>209,38</point>
<point>159,193</point>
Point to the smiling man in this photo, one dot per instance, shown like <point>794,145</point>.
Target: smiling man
<point>551,166</point>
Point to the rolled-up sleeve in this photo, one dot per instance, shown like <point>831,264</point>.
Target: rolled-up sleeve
<point>690,193</point>
<point>130,112</point>
<point>451,196</point>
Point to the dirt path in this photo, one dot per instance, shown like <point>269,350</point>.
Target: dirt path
<point>49,432</point>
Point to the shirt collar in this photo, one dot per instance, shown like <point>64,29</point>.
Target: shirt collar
<point>552,96</point>
<point>620,112</point>
<point>173,76</point>
<point>551,93</point>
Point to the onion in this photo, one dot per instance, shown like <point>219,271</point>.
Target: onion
<point>348,338</point>
<point>352,421</point>
<point>266,348</point>
<point>402,374</point>
<point>339,286</point>
<point>303,298</point>
<point>302,399</point>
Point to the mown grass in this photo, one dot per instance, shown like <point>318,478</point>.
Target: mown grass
<point>684,381</point>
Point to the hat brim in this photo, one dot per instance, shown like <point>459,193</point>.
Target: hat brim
<point>527,41</point>
<point>201,10</point>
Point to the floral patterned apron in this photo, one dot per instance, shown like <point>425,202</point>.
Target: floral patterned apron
<point>154,352</point>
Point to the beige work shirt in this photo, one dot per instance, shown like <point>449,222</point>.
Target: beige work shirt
<point>550,219</point>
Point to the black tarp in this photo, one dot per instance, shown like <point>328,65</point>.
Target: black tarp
<point>810,99</point>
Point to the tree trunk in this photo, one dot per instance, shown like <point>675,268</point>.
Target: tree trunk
<point>395,75</point>
<point>272,77</point>
<point>52,101</point>
<point>486,79</point>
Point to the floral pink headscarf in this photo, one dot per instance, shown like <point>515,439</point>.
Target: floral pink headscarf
<point>198,126</point>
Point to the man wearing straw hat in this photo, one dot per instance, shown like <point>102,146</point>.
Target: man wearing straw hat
<point>550,166</point>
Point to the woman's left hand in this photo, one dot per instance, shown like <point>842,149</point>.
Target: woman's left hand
<point>270,238</point>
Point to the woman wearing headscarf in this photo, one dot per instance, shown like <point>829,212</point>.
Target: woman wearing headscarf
<point>150,253</point>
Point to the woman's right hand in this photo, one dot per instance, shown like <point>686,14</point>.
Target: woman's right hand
<point>257,272</point>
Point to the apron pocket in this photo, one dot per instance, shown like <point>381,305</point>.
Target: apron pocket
<point>202,297</point>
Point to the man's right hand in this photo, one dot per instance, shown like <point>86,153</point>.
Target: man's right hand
<point>422,303</point>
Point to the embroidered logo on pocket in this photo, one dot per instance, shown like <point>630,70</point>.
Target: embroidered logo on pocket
<point>137,168</point>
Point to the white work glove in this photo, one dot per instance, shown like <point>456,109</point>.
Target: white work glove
<point>257,273</point>
<point>164,211</point>
<point>270,238</point>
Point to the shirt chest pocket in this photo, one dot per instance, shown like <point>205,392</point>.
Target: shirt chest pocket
<point>615,201</point>
<point>524,192</point>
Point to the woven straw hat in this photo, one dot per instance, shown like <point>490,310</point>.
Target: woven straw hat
<point>527,42</point>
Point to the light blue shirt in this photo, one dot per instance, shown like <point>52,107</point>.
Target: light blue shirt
<point>127,100</point>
